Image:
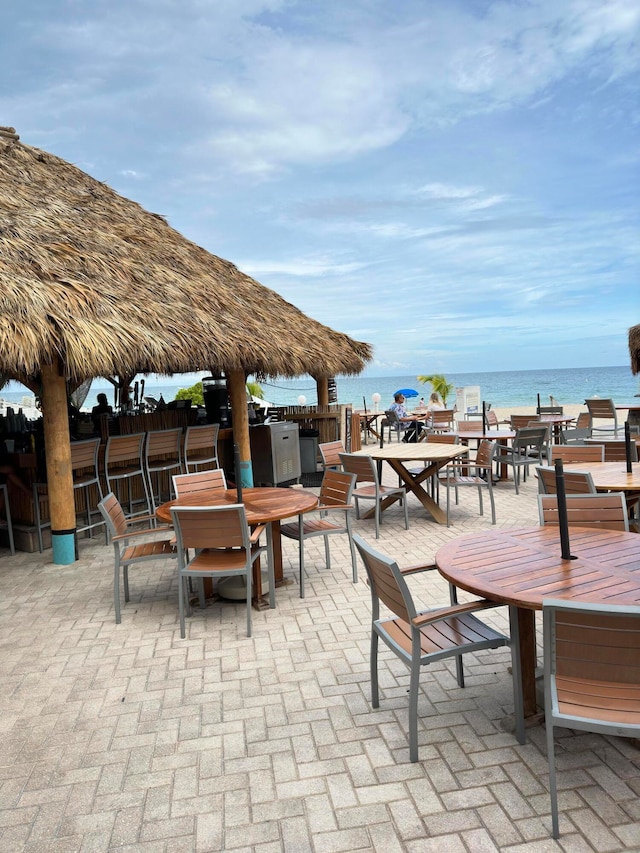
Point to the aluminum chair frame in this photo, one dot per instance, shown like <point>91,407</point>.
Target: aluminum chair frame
<point>591,674</point>
<point>366,472</point>
<point>224,547</point>
<point>393,422</point>
<point>132,546</point>
<point>162,442</point>
<point>335,497</point>
<point>203,438</point>
<point>528,440</point>
<point>602,408</point>
<point>84,455</point>
<point>128,449</point>
<point>422,637</point>
<point>476,473</point>
<point>575,482</point>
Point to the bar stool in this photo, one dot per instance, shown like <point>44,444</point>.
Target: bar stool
<point>6,522</point>
<point>162,454</point>
<point>123,462</point>
<point>201,447</point>
<point>85,472</point>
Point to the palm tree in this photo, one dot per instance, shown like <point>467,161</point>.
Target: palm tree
<point>439,384</point>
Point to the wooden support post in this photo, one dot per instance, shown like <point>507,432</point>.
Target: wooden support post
<point>59,473</point>
<point>323,390</point>
<point>240,415</point>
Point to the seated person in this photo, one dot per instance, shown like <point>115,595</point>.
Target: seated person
<point>435,403</point>
<point>410,425</point>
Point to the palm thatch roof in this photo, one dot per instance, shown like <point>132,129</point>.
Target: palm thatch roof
<point>634,349</point>
<point>92,277</point>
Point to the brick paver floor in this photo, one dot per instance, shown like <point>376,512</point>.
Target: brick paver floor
<point>125,737</point>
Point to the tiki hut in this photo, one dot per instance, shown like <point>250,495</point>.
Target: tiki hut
<point>92,285</point>
<point>634,349</point>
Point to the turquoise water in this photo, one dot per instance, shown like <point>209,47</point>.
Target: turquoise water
<point>501,389</point>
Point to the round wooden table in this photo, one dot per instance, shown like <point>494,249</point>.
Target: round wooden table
<point>263,505</point>
<point>521,567</point>
<point>610,476</point>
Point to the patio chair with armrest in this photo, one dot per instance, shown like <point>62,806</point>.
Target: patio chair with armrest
<point>332,516</point>
<point>419,638</point>
<point>603,511</point>
<point>330,453</point>
<point>132,544</point>
<point>371,489</point>
<point>615,449</point>
<point>575,482</point>
<point>602,410</point>
<point>591,674</point>
<point>392,422</point>
<point>570,453</point>
<point>526,449</point>
<point>476,473</point>
<point>442,420</point>
<point>213,480</point>
<point>223,546</point>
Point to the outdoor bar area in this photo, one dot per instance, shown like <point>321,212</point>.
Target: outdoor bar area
<point>233,627</point>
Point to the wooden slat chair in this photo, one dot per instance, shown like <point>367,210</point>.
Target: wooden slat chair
<point>602,410</point>
<point>201,447</point>
<point>615,450</point>
<point>371,489</point>
<point>492,420</point>
<point>392,422</point>
<point>575,436</point>
<point>124,464</point>
<point>520,421</point>
<point>86,477</point>
<point>591,674</point>
<point>577,453</point>
<point>583,421</point>
<point>477,473</point>
<point>132,545</point>
<point>6,523</point>
<point>224,547</point>
<point>330,454</point>
<point>603,511</point>
<point>200,481</point>
<point>550,410</point>
<point>422,637</point>
<point>333,516</point>
<point>162,455</point>
<point>442,420</point>
<point>575,482</point>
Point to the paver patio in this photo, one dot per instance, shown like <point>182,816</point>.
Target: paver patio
<point>125,737</point>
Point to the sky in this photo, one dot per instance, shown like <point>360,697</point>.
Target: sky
<point>453,181</point>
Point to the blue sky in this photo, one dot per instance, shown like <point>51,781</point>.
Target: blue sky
<point>454,181</point>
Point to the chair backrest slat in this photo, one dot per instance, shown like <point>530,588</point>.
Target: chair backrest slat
<point>113,515</point>
<point>602,511</point>
<point>519,421</point>
<point>336,488</point>
<point>486,452</point>
<point>577,453</point>
<point>200,481</point>
<point>616,451</point>
<point>362,466</point>
<point>164,442</point>
<point>84,454</point>
<point>124,448</point>
<point>211,527</point>
<point>330,452</point>
<point>386,581</point>
<point>575,482</point>
<point>442,438</point>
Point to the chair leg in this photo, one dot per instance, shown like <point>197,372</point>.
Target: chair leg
<point>354,560</point>
<point>327,552</point>
<point>553,790</point>
<point>375,694</point>
<point>181,597</point>
<point>413,709</point>
<point>38,517</point>
<point>406,511</point>
<point>301,555</point>
<point>271,570</point>
<point>116,590</point>
<point>249,578</point>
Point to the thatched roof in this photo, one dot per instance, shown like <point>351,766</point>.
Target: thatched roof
<point>113,289</point>
<point>634,349</point>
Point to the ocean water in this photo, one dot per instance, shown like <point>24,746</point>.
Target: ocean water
<point>501,389</point>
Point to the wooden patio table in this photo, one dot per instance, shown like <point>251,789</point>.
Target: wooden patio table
<point>521,567</point>
<point>263,505</point>
<point>368,424</point>
<point>610,476</point>
<point>434,456</point>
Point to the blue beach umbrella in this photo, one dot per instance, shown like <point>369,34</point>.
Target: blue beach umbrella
<point>407,392</point>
